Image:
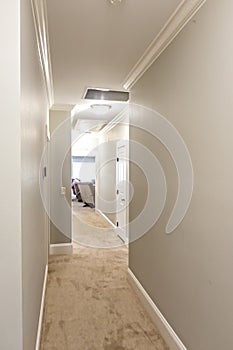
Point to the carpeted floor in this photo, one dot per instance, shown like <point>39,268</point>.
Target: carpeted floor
<point>90,229</point>
<point>90,305</point>
<point>90,216</point>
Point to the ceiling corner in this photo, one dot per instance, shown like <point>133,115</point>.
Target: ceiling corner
<point>180,17</point>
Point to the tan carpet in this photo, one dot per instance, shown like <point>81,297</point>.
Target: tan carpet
<point>90,217</point>
<point>90,305</point>
<point>90,229</point>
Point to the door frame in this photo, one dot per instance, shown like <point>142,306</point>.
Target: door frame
<point>123,234</point>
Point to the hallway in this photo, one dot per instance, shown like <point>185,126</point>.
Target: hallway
<point>90,305</point>
<point>158,76</point>
<point>91,229</point>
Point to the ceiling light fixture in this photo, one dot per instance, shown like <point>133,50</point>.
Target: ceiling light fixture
<point>115,2</point>
<point>101,108</point>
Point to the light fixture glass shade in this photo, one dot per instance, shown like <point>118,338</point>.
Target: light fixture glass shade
<point>101,108</point>
<point>115,2</point>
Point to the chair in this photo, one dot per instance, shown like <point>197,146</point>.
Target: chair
<point>87,191</point>
<point>77,193</point>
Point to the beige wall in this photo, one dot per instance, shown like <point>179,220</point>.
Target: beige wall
<point>34,115</point>
<point>24,237</point>
<point>10,215</point>
<point>106,176</point>
<point>60,176</point>
<point>188,274</point>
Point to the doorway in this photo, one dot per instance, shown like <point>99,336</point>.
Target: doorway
<point>122,189</point>
<point>109,215</point>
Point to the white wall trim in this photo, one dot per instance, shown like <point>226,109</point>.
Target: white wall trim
<point>180,17</point>
<point>39,329</point>
<point>126,242</point>
<point>39,12</point>
<point>167,332</point>
<point>122,117</point>
<point>105,217</point>
<point>62,248</point>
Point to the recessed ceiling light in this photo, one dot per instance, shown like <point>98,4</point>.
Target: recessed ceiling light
<point>101,108</point>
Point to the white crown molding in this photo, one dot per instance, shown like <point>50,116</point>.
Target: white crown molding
<point>41,27</point>
<point>121,117</point>
<point>180,17</point>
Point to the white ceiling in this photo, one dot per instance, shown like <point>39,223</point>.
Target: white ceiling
<point>96,44</point>
<point>83,115</point>
<point>86,112</point>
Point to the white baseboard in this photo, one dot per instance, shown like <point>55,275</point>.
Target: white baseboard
<point>106,218</point>
<point>167,332</point>
<point>126,240</point>
<point>63,248</point>
<point>41,310</point>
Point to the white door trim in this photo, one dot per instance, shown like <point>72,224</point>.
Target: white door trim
<point>123,233</point>
<point>39,329</point>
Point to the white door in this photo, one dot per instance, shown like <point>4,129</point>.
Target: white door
<point>121,189</point>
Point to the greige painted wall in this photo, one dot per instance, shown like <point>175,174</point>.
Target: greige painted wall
<point>34,115</point>
<point>188,274</point>
<point>60,175</point>
<point>23,236</point>
<point>10,213</point>
<point>106,176</point>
